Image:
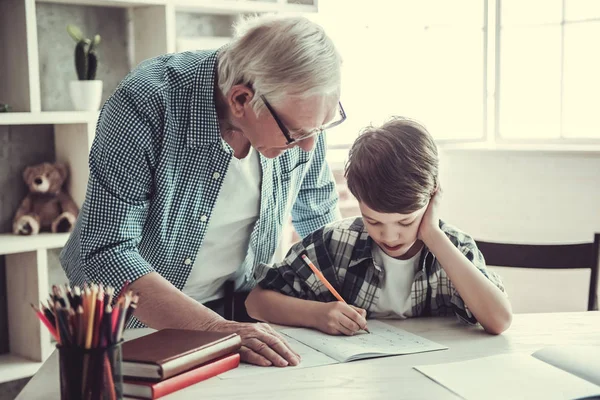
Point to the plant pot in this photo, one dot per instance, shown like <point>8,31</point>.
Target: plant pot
<point>86,95</point>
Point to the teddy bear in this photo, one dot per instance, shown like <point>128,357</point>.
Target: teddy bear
<point>47,207</point>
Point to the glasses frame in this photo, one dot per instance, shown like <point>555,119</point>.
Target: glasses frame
<point>286,131</point>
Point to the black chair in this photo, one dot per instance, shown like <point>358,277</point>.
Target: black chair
<point>556,256</point>
<point>235,304</point>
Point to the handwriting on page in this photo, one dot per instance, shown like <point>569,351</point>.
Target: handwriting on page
<point>384,340</point>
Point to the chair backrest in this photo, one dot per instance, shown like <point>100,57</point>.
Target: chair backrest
<point>555,256</point>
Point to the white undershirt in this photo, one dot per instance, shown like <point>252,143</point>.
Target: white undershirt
<point>228,235</point>
<point>398,276</point>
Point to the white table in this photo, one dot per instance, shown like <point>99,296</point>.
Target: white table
<point>382,378</point>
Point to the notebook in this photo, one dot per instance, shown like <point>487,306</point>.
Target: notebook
<point>317,348</point>
<point>384,340</point>
<point>309,358</point>
<point>168,352</point>
<point>155,390</point>
<point>566,372</point>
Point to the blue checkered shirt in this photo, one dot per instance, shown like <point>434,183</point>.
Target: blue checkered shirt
<point>156,167</point>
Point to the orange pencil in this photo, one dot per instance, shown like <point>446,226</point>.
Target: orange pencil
<point>98,318</point>
<point>90,316</point>
<point>325,282</point>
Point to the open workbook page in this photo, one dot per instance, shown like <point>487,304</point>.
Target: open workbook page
<point>384,340</point>
<point>310,358</point>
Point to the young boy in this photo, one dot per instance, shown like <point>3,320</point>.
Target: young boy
<point>399,260</point>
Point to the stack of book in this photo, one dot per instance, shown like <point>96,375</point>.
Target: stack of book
<point>172,359</point>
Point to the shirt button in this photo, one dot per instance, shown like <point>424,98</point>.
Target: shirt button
<point>187,261</point>
<point>203,218</point>
<point>216,175</point>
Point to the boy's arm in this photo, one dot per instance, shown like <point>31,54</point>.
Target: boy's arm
<point>289,293</point>
<point>333,317</point>
<point>485,300</point>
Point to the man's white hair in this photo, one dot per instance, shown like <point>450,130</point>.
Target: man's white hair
<point>278,57</point>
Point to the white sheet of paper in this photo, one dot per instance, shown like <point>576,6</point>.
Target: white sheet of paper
<point>310,358</point>
<point>508,376</point>
<point>384,340</point>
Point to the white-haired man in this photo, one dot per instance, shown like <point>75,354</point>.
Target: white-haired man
<point>198,160</point>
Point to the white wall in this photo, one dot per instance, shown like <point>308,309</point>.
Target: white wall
<point>526,197</point>
<point>522,196</point>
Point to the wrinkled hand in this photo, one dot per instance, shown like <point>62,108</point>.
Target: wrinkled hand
<point>261,344</point>
<point>430,223</point>
<point>337,318</point>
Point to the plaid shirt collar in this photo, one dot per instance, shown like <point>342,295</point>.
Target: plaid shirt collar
<point>343,251</point>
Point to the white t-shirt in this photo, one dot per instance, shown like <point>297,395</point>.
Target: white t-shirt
<point>398,276</point>
<point>228,235</point>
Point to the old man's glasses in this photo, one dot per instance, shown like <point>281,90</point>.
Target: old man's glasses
<point>292,137</point>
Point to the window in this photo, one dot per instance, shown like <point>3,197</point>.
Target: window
<point>549,79</point>
<point>489,70</point>
<point>424,60</point>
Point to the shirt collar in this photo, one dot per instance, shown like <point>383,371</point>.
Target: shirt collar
<point>204,122</point>
<point>363,248</point>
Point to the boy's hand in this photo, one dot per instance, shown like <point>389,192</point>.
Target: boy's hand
<point>430,224</point>
<point>337,318</point>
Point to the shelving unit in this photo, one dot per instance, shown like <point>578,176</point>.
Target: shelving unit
<point>151,31</point>
<point>15,367</point>
<point>26,283</point>
<point>48,118</point>
<point>223,7</point>
<point>12,244</point>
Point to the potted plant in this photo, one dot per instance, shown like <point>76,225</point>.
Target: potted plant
<point>86,92</point>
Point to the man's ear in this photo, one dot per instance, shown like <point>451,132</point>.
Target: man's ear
<point>238,99</point>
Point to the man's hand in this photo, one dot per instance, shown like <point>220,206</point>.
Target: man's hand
<point>337,318</point>
<point>430,223</point>
<point>261,344</point>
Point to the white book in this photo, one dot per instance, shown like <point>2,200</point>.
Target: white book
<point>566,372</point>
<point>309,358</point>
<point>317,348</point>
<point>384,340</point>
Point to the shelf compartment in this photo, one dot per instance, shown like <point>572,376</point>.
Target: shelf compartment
<point>13,367</point>
<point>12,244</point>
<point>48,118</point>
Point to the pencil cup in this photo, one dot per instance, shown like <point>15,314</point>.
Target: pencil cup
<point>90,374</point>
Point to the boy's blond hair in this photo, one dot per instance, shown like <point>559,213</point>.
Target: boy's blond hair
<point>393,168</point>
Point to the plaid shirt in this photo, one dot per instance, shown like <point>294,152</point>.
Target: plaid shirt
<point>156,168</point>
<point>343,252</point>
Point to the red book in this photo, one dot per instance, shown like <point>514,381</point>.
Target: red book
<point>154,390</point>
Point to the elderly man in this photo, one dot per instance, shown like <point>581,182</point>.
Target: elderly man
<point>198,160</point>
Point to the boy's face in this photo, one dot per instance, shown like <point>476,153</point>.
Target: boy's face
<point>394,233</point>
